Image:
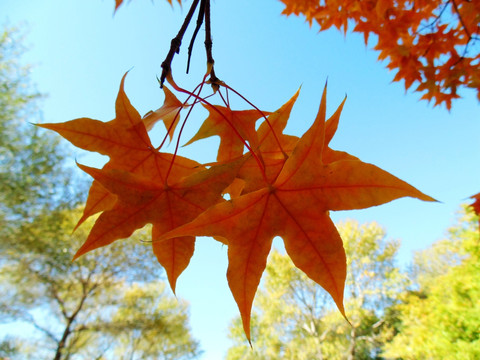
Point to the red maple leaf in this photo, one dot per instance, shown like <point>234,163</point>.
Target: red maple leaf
<point>476,206</point>
<point>233,128</point>
<point>143,200</point>
<point>295,206</point>
<point>126,142</point>
<point>169,113</point>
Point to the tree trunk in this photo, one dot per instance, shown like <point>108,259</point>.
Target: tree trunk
<point>68,327</point>
<point>63,341</point>
<point>353,344</point>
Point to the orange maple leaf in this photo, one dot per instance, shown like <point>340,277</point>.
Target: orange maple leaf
<point>117,4</point>
<point>233,127</point>
<point>143,200</point>
<point>273,147</point>
<point>295,206</point>
<point>429,43</point>
<point>132,156</point>
<point>125,141</point>
<point>169,113</point>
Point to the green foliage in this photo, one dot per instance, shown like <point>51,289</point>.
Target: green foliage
<point>295,319</point>
<point>442,319</point>
<point>30,159</point>
<point>151,325</point>
<point>8,348</point>
<point>104,302</point>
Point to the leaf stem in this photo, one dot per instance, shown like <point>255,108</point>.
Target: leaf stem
<point>225,101</point>
<point>210,105</point>
<point>197,99</point>
<point>263,115</point>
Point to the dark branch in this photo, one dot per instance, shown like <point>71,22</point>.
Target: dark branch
<point>201,15</point>
<point>176,43</point>
<point>208,45</point>
<point>62,344</point>
<point>455,7</point>
<point>29,318</point>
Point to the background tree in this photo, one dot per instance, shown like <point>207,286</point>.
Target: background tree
<point>431,43</point>
<point>162,334</point>
<point>295,319</point>
<point>89,308</point>
<point>441,318</point>
<point>57,308</point>
<point>30,159</point>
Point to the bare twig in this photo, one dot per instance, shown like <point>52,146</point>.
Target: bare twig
<point>201,16</point>
<point>176,43</point>
<point>208,45</point>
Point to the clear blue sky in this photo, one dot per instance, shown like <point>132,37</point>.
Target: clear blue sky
<point>80,51</point>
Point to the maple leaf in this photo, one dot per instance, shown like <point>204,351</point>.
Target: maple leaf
<point>272,141</point>
<point>117,4</point>
<point>273,146</point>
<point>126,142</point>
<point>426,43</point>
<point>295,206</point>
<point>134,170</point>
<point>169,113</point>
<point>143,200</point>
<point>234,128</point>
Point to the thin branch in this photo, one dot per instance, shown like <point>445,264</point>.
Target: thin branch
<point>61,303</point>
<point>455,7</point>
<point>437,19</point>
<point>176,43</point>
<point>208,34</point>
<point>208,45</point>
<point>68,330</point>
<point>201,15</point>
<point>37,326</point>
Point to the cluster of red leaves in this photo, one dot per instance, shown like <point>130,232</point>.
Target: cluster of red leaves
<point>476,206</point>
<point>281,186</point>
<point>430,43</point>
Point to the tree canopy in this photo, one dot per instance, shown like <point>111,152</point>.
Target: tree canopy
<point>30,158</point>
<point>440,317</point>
<point>109,302</point>
<point>433,44</point>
